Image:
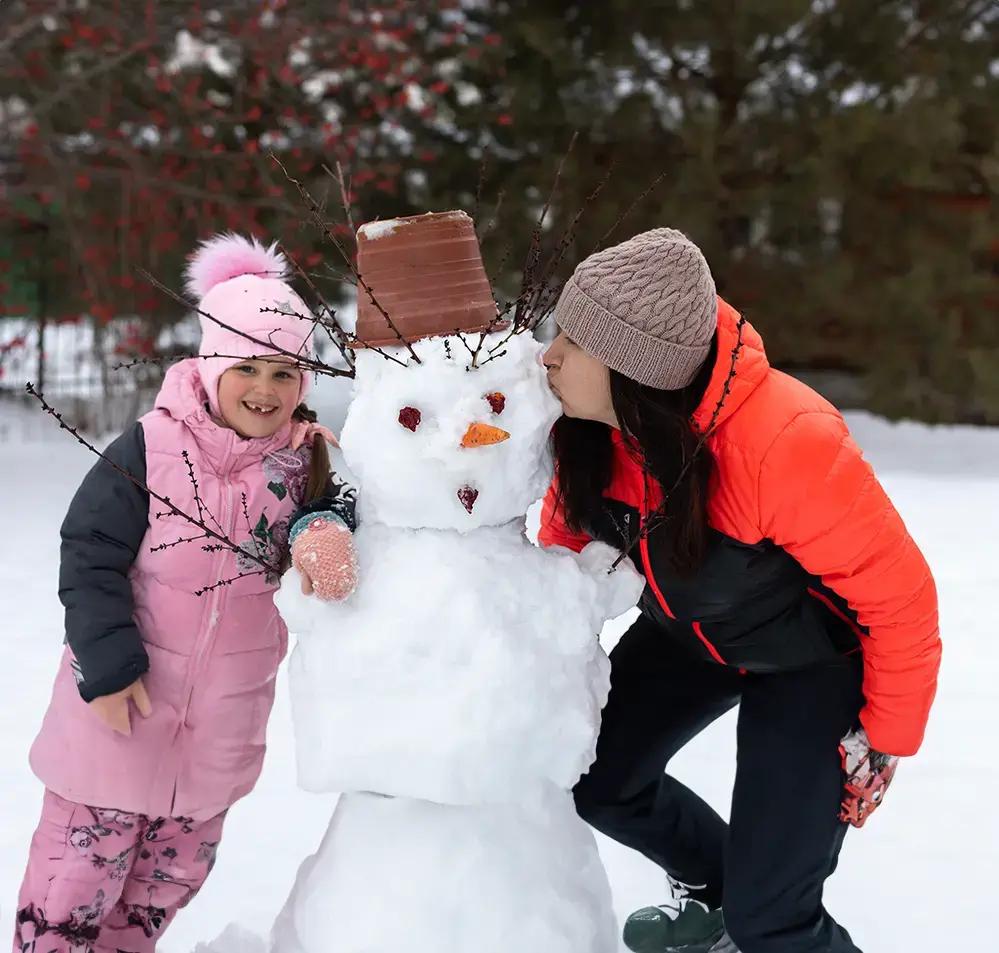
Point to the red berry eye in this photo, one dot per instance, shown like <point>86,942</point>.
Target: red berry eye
<point>410,418</point>
<point>497,401</point>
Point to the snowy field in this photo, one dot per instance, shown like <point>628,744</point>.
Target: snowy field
<point>918,878</point>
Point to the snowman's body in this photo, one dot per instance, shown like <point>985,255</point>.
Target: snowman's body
<point>455,697</point>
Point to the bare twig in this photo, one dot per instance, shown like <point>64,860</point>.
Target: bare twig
<point>344,186</point>
<point>171,508</point>
<point>338,336</point>
<point>641,198</point>
<point>494,219</point>
<point>319,220</point>
<point>480,185</point>
<point>187,355</point>
<point>312,364</point>
<point>534,248</point>
<point>228,582</point>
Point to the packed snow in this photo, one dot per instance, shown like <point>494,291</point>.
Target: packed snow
<point>464,670</point>
<point>402,439</point>
<point>455,697</point>
<point>499,878</point>
<point>917,878</point>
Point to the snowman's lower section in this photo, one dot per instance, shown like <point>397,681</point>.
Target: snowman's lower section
<point>395,875</point>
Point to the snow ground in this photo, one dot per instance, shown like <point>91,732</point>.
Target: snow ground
<point>917,878</point>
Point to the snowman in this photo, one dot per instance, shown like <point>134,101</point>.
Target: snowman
<point>455,697</point>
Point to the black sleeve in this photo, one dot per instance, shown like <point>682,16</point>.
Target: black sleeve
<point>101,535</point>
<point>338,498</point>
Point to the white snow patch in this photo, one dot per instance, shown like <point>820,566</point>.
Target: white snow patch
<point>415,478</point>
<point>376,230</point>
<point>910,880</point>
<point>192,53</point>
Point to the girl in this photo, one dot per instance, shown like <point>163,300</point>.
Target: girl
<point>158,716</point>
<point>780,578</point>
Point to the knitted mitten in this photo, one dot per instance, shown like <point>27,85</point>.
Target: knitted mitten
<point>322,549</point>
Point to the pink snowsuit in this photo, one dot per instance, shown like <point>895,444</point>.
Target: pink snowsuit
<point>212,662</point>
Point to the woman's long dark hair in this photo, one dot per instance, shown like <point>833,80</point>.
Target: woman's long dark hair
<point>660,423</point>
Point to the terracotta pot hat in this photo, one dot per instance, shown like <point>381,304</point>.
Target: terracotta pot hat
<point>426,273</point>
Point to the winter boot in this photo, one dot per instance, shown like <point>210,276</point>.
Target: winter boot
<point>684,926</point>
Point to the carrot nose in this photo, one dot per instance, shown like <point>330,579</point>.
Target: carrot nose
<point>483,435</point>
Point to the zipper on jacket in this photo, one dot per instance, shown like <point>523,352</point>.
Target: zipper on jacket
<point>209,622</point>
<point>715,654</point>
<point>643,545</point>
<point>213,613</point>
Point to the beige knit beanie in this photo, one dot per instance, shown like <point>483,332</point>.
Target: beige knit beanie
<point>647,308</point>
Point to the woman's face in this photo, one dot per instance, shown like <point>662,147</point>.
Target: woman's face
<point>579,381</point>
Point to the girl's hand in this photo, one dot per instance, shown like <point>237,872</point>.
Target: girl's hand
<point>303,431</point>
<point>324,555</point>
<point>113,709</point>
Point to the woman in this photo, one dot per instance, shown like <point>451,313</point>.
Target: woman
<point>780,578</point>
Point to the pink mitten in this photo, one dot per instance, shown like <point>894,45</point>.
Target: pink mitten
<point>323,552</point>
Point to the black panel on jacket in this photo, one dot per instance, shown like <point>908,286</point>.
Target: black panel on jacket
<point>101,535</point>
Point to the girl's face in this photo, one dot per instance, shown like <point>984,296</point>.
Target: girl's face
<point>258,397</point>
<point>579,381</point>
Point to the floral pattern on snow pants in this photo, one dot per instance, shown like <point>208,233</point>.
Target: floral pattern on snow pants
<point>106,881</point>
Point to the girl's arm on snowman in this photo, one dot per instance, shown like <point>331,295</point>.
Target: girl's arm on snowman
<point>101,535</point>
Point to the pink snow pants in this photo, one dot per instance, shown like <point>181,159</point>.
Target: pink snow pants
<point>105,881</point>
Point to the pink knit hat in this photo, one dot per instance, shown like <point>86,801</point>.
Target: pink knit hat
<point>234,278</point>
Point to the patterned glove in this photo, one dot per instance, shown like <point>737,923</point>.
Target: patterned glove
<point>322,550</point>
<point>868,774</point>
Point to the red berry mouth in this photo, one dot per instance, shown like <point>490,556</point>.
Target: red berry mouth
<point>467,496</point>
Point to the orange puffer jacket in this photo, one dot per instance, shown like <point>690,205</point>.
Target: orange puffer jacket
<point>807,558</point>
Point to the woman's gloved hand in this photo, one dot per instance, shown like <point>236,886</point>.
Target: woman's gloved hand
<point>868,774</point>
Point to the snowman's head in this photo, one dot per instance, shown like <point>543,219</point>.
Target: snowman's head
<point>443,445</point>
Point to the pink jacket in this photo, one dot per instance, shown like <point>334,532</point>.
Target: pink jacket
<point>212,659</point>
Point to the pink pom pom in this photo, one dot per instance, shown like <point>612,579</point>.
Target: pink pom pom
<point>227,256</point>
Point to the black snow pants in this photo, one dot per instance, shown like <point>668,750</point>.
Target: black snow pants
<point>767,867</point>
